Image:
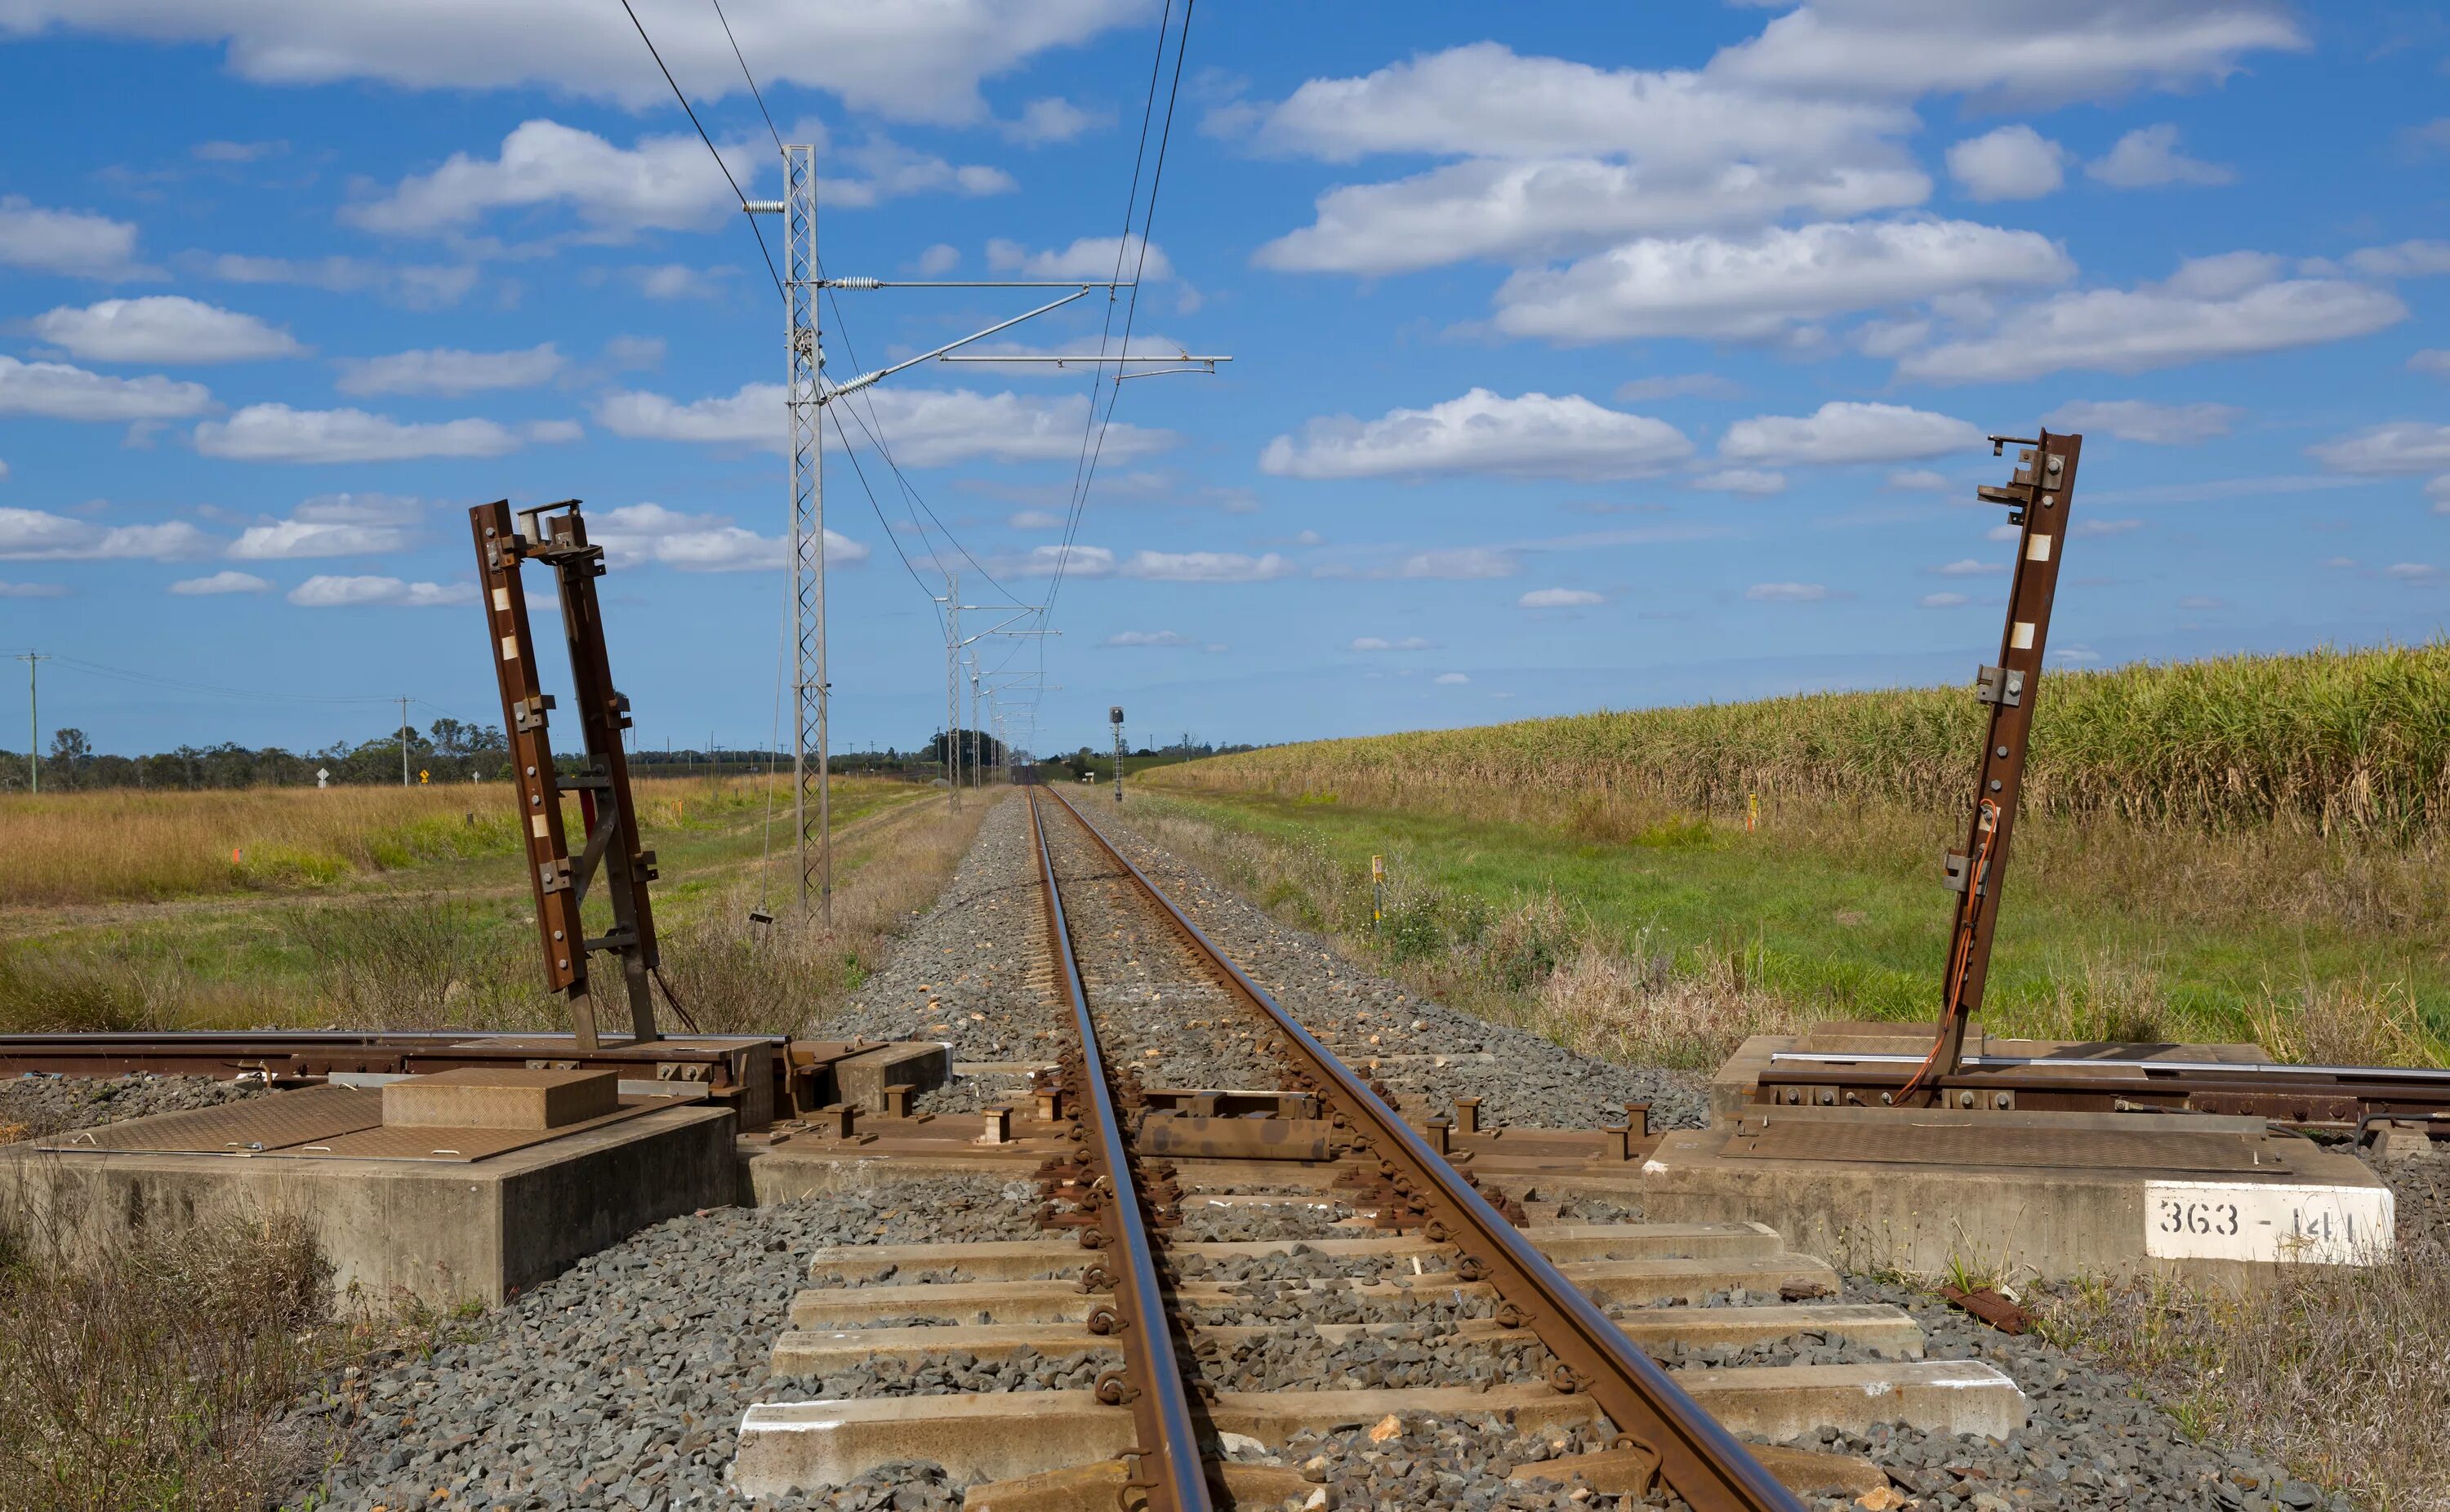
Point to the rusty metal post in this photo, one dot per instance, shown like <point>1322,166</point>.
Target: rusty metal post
<point>561,882</point>
<point>524,705</point>
<point>2038,496</point>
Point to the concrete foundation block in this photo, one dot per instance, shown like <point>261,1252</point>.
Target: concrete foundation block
<point>441,1232</point>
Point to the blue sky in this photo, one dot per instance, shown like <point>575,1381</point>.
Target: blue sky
<point>1584,357</point>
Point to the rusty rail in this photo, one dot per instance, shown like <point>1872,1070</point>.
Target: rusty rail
<point>1700,1461</point>
<point>1169,1467</point>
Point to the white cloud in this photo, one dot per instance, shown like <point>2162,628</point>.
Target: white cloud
<point>938,260</point>
<point>1786,593</point>
<point>1450,679</point>
<point>162,328</point>
<point>2411,572</point>
<point>419,286</point>
<point>59,392</point>
<point>699,543</point>
<point>1050,119</point>
<point>1967,566</point>
<point>2439,492</point>
<point>2094,527</point>
<point>1485,100</point>
<point>911,62</point>
<point>1533,436</point>
<point>1511,211</point>
<point>224,582</point>
<point>287,540</point>
<point>664,182</point>
<point>1844,431</point>
<point>1034,520</point>
<point>2148,158</point>
<point>34,535</point>
<point>1759,482</point>
<point>3,470</point>
<point>449,371</point>
<point>236,151</point>
<point>1920,478</point>
<point>1682,385</point>
<point>34,590</point>
<point>1560,598</point>
<point>2400,446</point>
<point>276,433</point>
<point>924,427</point>
<point>678,281</point>
<point>2143,420</point>
<point>1562,156</point>
<point>1073,561</point>
<point>1942,601</point>
<point>1206,566</point>
<point>2231,305</point>
<point>1149,638</point>
<point>1091,257</point>
<point>2013,163</point>
<point>624,353</point>
<point>2200,601</point>
<point>887,170</point>
<point>1380,643</point>
<point>1461,563</point>
<point>334,525</point>
<point>2007,51</point>
<point>2405,259</point>
<point>1753,287</point>
<point>72,244</point>
<point>325,592</point>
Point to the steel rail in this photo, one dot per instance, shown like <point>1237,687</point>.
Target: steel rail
<point>1168,1448</point>
<point>2222,1068</point>
<point>1699,1460</point>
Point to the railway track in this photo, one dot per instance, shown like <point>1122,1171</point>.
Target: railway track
<point>1214,1324</point>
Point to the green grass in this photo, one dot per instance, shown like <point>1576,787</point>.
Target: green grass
<point>1840,931</point>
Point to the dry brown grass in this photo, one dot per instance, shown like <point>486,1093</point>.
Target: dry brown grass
<point>124,844</point>
<point>2340,1372</point>
<point>1623,1008</point>
<point>157,1378</point>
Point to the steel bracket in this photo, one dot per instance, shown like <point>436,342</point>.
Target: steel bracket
<point>1997,685</point>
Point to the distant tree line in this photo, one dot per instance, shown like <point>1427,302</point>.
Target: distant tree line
<point>449,750</point>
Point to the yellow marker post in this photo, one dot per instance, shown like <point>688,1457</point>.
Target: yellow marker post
<point>1377,886</point>
<point>1752,812</point>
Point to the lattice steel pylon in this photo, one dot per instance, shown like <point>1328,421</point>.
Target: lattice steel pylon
<point>805,398</point>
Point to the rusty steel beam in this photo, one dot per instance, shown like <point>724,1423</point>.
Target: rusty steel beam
<point>560,880</point>
<point>1701,1461</point>
<point>1167,1449</point>
<point>2038,496</point>
<point>524,705</point>
<point>2335,1098</point>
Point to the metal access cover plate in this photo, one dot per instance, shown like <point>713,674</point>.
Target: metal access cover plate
<point>272,1122</point>
<point>1959,1144</point>
<point>318,1123</point>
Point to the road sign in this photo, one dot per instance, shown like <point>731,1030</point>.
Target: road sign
<point>322,777</point>
<point>420,777</point>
